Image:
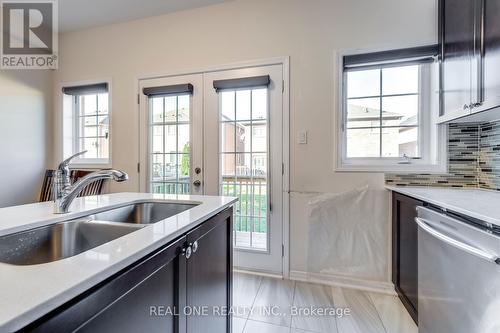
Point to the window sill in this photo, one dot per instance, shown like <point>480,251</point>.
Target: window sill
<point>394,168</point>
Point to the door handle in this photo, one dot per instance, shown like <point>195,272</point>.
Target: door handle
<point>457,244</point>
<point>197,183</point>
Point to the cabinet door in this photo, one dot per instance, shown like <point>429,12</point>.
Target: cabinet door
<point>405,251</point>
<point>457,40</point>
<point>140,299</point>
<point>490,46</point>
<point>209,274</point>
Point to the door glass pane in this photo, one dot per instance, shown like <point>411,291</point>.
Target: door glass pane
<point>184,165</point>
<point>170,174</point>
<point>259,104</point>
<point>228,105</point>
<point>157,109</point>
<point>170,153</point>
<point>184,111</point>
<point>228,165</point>
<point>259,136</point>
<point>157,167</point>
<point>183,138</point>
<point>243,105</point>
<point>170,109</point>
<point>244,168</point>
<point>243,165</point>
<point>228,139</point>
<point>170,136</point>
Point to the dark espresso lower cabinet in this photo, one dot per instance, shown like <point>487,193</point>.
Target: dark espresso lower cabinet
<point>184,287</point>
<point>140,309</point>
<point>405,251</point>
<point>209,276</point>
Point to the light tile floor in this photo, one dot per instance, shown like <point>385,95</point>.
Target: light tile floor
<point>369,312</point>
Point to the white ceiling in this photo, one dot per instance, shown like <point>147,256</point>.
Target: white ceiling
<point>82,14</point>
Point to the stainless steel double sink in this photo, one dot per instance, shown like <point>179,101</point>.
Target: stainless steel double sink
<point>69,238</point>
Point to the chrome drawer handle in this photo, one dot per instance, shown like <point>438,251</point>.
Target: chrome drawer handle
<point>187,252</point>
<point>195,246</point>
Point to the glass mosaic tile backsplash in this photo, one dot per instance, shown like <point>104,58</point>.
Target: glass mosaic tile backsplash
<point>473,160</point>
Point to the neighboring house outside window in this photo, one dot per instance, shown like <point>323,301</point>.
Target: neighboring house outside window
<point>388,112</point>
<point>86,125</point>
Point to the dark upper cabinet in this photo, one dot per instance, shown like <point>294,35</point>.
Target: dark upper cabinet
<point>490,46</point>
<point>405,251</point>
<point>457,51</point>
<point>470,58</point>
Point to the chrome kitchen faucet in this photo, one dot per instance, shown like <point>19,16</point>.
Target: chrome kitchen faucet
<point>64,193</point>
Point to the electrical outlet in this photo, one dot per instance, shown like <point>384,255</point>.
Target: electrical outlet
<point>302,138</point>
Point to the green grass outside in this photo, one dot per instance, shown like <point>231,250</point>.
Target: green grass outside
<point>243,210</point>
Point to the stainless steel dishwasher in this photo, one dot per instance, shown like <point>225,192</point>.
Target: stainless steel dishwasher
<point>458,274</point>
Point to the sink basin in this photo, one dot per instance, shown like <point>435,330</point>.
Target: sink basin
<point>67,239</point>
<point>59,241</point>
<point>142,213</point>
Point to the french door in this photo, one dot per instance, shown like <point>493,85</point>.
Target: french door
<point>171,134</point>
<point>220,133</point>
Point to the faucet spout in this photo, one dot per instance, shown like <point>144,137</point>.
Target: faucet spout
<point>119,176</point>
<point>65,193</point>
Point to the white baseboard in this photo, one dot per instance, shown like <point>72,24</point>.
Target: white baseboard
<point>345,282</point>
<point>259,273</point>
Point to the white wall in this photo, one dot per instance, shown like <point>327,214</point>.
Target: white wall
<point>25,134</point>
<point>309,31</point>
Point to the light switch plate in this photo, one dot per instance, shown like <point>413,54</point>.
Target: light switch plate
<point>302,138</point>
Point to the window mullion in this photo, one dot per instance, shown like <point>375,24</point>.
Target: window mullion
<point>163,143</point>
<point>97,124</point>
<point>381,111</point>
<point>76,125</point>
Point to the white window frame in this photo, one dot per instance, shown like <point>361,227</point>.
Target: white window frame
<point>69,117</point>
<point>433,159</point>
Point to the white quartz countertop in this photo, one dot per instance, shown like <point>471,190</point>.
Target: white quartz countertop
<point>481,204</point>
<point>29,292</point>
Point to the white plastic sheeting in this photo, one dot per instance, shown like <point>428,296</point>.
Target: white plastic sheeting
<point>348,234</point>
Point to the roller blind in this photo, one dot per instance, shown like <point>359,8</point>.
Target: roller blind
<point>408,56</point>
<point>245,82</point>
<point>176,89</point>
<point>88,89</point>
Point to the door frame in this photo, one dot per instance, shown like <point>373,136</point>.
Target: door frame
<point>283,61</point>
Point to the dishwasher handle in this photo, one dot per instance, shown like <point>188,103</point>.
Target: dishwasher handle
<point>455,243</point>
